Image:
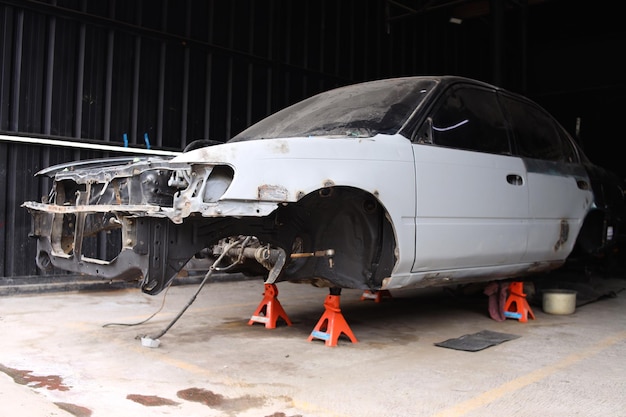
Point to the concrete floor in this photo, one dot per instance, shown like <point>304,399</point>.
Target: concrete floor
<point>58,358</point>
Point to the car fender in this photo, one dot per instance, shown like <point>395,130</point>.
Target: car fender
<point>271,172</point>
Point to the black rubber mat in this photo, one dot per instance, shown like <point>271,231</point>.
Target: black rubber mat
<point>477,341</point>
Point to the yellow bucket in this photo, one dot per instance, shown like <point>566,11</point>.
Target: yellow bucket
<point>559,301</point>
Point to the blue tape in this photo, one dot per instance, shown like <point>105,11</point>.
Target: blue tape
<point>320,335</point>
<point>147,140</point>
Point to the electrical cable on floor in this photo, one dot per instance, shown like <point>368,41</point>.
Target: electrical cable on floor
<point>153,341</point>
<point>145,320</point>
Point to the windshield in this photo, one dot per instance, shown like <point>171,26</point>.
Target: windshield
<point>360,110</point>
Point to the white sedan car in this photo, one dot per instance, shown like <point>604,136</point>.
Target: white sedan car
<point>406,182</point>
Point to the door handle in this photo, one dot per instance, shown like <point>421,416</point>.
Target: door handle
<point>514,179</point>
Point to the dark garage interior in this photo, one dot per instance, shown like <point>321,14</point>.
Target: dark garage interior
<point>84,79</point>
<point>157,75</point>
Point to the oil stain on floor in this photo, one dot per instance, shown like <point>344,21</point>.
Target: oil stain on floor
<point>50,382</point>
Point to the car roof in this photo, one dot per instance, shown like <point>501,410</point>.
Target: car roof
<point>447,80</point>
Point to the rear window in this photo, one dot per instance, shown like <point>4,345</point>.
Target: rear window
<point>537,135</point>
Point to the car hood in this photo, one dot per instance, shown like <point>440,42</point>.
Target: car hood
<point>378,147</point>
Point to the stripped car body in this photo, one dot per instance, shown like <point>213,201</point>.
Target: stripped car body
<point>371,186</point>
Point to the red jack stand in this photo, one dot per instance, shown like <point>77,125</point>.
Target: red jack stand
<point>516,306</point>
<point>332,324</point>
<point>377,296</point>
<point>270,310</point>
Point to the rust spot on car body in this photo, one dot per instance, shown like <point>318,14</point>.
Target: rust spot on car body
<point>282,146</point>
<point>272,192</point>
<point>563,235</point>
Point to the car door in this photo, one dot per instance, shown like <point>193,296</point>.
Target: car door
<point>559,189</point>
<point>472,194</point>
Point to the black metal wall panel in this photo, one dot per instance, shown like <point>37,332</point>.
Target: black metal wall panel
<point>18,164</point>
<point>4,204</point>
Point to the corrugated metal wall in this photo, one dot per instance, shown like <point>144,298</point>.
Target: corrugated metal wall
<point>174,70</point>
<point>159,74</point>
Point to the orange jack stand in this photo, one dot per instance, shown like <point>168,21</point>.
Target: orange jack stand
<point>377,296</point>
<point>270,310</point>
<point>516,306</point>
<point>332,324</point>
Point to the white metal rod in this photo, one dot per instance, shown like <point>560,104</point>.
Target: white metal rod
<point>78,145</point>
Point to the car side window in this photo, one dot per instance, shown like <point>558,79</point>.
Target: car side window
<point>537,135</point>
<point>470,119</point>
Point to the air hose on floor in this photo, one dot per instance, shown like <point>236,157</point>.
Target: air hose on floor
<point>153,341</point>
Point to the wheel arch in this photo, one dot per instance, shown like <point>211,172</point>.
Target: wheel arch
<point>597,235</point>
<point>351,222</point>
